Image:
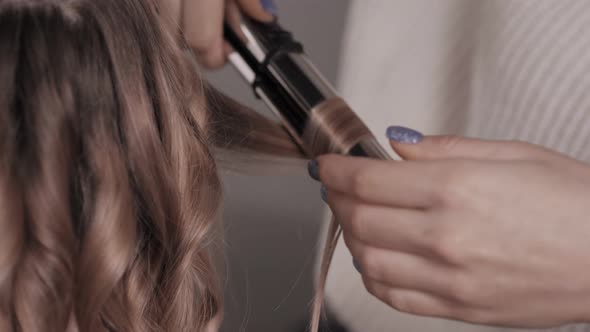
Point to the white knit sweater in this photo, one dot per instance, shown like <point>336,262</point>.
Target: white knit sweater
<point>496,69</point>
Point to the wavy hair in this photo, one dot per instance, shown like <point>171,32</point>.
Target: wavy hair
<point>109,192</point>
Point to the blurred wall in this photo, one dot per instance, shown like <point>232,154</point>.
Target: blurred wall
<point>272,220</point>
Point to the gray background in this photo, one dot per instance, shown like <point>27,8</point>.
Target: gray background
<point>272,220</point>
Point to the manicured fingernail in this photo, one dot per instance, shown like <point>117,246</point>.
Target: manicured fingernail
<point>269,6</point>
<point>357,266</point>
<point>313,169</point>
<point>403,135</point>
<point>324,193</point>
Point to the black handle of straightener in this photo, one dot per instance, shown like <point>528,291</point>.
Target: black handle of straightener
<point>239,45</point>
<point>271,35</point>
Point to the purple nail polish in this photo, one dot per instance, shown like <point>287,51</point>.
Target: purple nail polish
<point>403,135</point>
<point>324,193</point>
<point>357,266</point>
<point>313,169</point>
<point>269,6</point>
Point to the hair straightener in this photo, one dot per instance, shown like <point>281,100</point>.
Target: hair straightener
<point>275,65</point>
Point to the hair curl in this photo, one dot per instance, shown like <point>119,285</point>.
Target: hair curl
<point>108,185</point>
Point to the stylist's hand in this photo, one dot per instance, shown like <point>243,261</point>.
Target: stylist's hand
<point>201,22</point>
<point>481,231</point>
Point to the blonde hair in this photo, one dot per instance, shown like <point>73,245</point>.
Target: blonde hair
<point>108,186</point>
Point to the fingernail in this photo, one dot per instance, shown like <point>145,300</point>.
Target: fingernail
<point>324,193</point>
<point>269,6</point>
<point>357,266</point>
<point>313,169</point>
<point>403,135</point>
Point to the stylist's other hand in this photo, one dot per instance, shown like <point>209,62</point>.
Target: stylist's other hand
<point>201,23</point>
<point>487,232</point>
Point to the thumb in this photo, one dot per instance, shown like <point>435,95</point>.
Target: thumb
<point>412,145</point>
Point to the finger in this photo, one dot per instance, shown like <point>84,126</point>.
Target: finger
<point>261,10</point>
<point>382,227</point>
<point>453,147</point>
<point>409,184</point>
<point>233,17</point>
<point>419,303</point>
<point>215,57</point>
<point>227,49</point>
<point>202,27</point>
<point>400,269</point>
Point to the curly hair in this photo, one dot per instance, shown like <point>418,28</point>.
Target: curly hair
<point>109,193</point>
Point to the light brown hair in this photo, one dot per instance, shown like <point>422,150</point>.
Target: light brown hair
<point>108,186</point>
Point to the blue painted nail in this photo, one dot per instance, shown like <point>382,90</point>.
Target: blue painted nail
<point>324,193</point>
<point>403,135</point>
<point>269,6</point>
<point>313,169</point>
<point>357,266</point>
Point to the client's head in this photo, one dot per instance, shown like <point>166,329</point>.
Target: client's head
<point>108,188</point>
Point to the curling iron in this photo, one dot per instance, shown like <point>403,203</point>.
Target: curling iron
<point>275,65</point>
